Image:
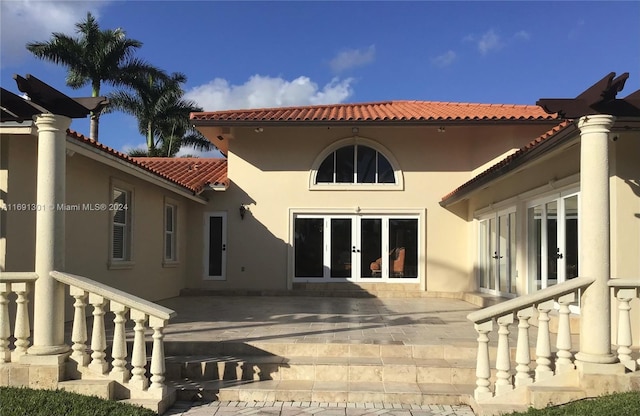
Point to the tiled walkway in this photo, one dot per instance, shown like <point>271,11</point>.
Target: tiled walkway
<point>285,319</point>
<point>314,408</point>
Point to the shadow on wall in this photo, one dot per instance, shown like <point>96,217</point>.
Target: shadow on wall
<point>251,254</point>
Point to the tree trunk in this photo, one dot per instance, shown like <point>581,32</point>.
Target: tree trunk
<point>93,127</point>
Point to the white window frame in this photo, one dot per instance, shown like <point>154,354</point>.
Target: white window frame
<point>328,214</point>
<point>172,234</point>
<point>560,197</point>
<point>398,185</point>
<point>126,261</point>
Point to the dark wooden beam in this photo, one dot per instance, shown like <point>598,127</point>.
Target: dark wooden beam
<point>600,98</point>
<point>16,108</point>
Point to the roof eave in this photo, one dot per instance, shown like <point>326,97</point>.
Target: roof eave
<point>547,146</point>
<point>388,122</point>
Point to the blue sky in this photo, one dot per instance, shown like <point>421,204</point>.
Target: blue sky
<point>262,54</point>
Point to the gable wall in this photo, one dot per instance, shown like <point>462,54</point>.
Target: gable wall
<point>269,172</point>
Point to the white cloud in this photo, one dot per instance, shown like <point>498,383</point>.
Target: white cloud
<point>191,152</point>
<point>352,58</point>
<point>445,59</point>
<point>489,41</point>
<point>523,35</point>
<point>129,147</point>
<point>41,18</point>
<point>264,91</point>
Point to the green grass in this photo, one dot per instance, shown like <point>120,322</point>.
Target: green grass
<point>28,402</point>
<point>619,404</point>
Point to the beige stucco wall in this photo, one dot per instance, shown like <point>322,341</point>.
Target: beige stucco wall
<point>269,172</point>
<point>560,170</point>
<point>88,232</point>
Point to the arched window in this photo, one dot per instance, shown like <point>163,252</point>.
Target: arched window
<point>354,164</point>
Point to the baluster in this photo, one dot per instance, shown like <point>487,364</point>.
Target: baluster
<point>79,330</point>
<point>483,368</point>
<point>543,342</point>
<point>157,354</point>
<point>138,355</point>
<point>5,330</point>
<point>503,359</point>
<point>22,329</point>
<point>625,340</point>
<point>119,350</point>
<point>98,335</point>
<point>564,356</point>
<point>523,354</point>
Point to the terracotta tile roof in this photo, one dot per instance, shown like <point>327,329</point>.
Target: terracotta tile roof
<point>506,164</point>
<point>398,111</point>
<point>193,172</point>
<point>173,176</point>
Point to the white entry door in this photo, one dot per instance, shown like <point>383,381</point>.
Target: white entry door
<point>215,246</point>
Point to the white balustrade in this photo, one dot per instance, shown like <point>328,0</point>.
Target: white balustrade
<point>124,307</point>
<point>523,355</point>
<point>20,284</point>
<point>5,331</point>
<point>625,290</point>
<point>564,356</point>
<point>503,359</point>
<point>543,342</point>
<point>523,308</point>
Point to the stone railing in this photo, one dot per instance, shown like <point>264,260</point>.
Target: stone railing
<point>522,308</point>
<point>21,284</point>
<point>625,290</point>
<point>102,298</point>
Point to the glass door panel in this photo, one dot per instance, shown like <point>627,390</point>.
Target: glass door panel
<point>571,236</point>
<point>309,247</point>
<point>503,254</point>
<point>551,240</point>
<point>512,253</point>
<point>371,247</point>
<point>341,247</point>
<point>215,246</point>
<point>403,248</point>
<point>493,249</point>
<point>485,255</point>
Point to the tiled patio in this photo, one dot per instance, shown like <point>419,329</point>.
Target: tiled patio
<point>291,319</point>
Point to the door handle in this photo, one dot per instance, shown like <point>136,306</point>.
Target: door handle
<point>558,254</point>
<point>495,255</point>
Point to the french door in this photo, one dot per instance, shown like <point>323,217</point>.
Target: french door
<point>355,247</point>
<point>215,245</point>
<point>553,241</point>
<point>497,250</point>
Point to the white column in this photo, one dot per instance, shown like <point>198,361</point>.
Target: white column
<point>48,301</point>
<point>595,322</point>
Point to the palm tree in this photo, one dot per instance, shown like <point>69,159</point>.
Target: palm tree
<point>94,57</point>
<point>162,113</point>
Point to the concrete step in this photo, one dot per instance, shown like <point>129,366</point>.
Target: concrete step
<point>104,389</point>
<point>324,391</point>
<point>342,369</point>
<point>302,349</point>
<point>542,396</point>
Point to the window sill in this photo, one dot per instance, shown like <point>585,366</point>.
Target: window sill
<point>120,265</point>
<point>170,263</point>
<point>356,187</point>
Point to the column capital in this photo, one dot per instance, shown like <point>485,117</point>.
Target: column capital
<point>597,123</point>
<point>52,122</point>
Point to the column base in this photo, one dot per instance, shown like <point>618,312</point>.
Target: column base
<point>600,368</point>
<point>48,349</point>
